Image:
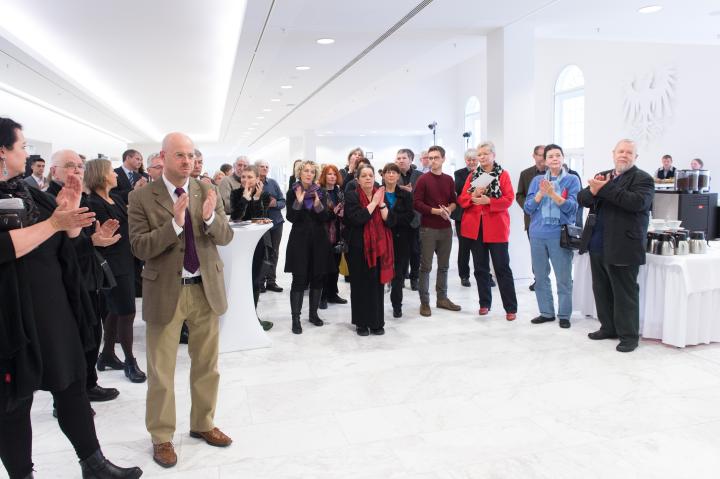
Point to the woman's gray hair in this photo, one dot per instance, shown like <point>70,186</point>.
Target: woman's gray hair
<point>471,153</point>
<point>487,144</point>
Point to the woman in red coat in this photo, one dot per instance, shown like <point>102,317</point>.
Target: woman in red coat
<point>486,222</point>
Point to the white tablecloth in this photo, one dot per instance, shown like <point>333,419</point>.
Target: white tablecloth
<point>239,326</point>
<point>679,297</point>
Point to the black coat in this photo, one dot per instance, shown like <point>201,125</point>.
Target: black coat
<point>308,248</point>
<point>625,205</point>
<point>119,255</point>
<point>243,210</point>
<point>398,220</point>
<point>460,178</point>
<point>332,217</point>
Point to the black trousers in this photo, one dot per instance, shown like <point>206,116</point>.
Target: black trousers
<point>91,356</point>
<point>463,253</point>
<point>617,298</point>
<point>75,420</point>
<point>481,254</point>
<point>415,255</point>
<point>275,238</point>
<point>402,259</point>
<point>330,287</point>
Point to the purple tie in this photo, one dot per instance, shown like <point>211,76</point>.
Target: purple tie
<point>191,262</point>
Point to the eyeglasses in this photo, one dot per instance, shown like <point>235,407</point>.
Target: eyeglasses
<point>183,156</point>
<point>74,166</point>
<point>156,167</point>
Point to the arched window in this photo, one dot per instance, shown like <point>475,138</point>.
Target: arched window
<point>570,115</point>
<point>472,119</point>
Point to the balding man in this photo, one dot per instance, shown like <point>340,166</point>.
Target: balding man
<point>176,224</point>
<point>232,181</point>
<point>621,199</point>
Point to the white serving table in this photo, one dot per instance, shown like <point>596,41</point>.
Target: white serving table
<point>679,296</point>
<point>239,326</point>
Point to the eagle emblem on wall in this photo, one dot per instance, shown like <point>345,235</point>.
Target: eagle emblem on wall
<point>648,104</point>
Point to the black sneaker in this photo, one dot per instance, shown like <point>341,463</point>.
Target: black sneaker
<point>542,319</point>
<point>565,323</point>
<point>99,394</point>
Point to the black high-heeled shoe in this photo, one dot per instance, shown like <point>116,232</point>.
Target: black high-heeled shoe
<point>109,361</point>
<point>133,372</point>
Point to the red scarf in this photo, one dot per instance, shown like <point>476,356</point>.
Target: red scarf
<point>377,239</point>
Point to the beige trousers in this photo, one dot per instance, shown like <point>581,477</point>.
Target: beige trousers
<point>162,346</point>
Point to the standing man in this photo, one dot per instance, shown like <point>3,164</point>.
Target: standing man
<point>409,176</point>
<point>461,175</point>
<point>526,177</point>
<point>155,166</point>
<point>36,179</point>
<point>424,162</point>
<point>176,225</point>
<point>667,170</point>
<point>232,182</point>
<point>129,177</point>
<point>277,203</point>
<point>436,200</point>
<point>621,199</point>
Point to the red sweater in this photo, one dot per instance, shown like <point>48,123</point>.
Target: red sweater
<point>495,217</point>
<point>432,191</point>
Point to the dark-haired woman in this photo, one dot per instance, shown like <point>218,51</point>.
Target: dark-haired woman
<point>400,215</point>
<point>331,183</point>
<point>370,252</point>
<point>46,320</point>
<point>308,255</point>
<point>248,202</point>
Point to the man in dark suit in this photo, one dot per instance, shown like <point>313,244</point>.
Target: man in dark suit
<point>409,175</point>
<point>129,178</point>
<point>37,178</point>
<point>621,199</point>
<point>463,243</point>
<point>176,225</point>
<point>526,176</point>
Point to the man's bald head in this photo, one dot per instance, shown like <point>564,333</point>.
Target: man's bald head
<point>178,153</point>
<point>64,163</point>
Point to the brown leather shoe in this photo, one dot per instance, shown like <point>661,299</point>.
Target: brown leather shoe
<point>447,304</point>
<point>214,437</point>
<point>164,454</point>
<point>425,310</point>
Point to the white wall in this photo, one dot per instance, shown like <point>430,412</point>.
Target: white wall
<point>48,127</point>
<point>608,69</point>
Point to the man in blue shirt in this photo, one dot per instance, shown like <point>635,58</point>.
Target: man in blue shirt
<point>277,203</point>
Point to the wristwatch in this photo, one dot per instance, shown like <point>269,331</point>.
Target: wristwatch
<point>383,206</point>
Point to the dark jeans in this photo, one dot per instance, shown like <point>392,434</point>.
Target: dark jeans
<point>481,254</point>
<point>415,255</point>
<point>91,356</point>
<point>617,298</point>
<point>75,420</point>
<point>402,259</point>
<point>463,253</point>
<point>275,238</point>
<point>330,287</point>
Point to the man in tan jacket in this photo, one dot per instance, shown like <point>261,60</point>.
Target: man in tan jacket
<point>176,224</point>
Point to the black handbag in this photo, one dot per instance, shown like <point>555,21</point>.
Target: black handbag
<point>571,237</point>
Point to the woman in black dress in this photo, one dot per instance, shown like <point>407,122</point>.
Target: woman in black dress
<point>400,214</point>
<point>331,183</point>
<point>46,320</point>
<point>308,256</point>
<point>248,202</point>
<point>100,178</point>
<point>370,252</point>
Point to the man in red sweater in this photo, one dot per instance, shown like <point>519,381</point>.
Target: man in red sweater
<point>435,199</point>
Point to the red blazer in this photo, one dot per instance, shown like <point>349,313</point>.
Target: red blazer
<point>495,216</point>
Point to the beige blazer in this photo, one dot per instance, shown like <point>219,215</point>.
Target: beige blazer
<point>153,240</point>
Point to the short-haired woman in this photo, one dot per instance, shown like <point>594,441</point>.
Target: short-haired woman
<point>370,252</point>
<point>400,215</point>
<point>308,256</point>
<point>552,202</point>
<point>99,179</point>
<point>331,184</point>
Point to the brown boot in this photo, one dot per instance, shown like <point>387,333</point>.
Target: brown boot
<point>425,310</point>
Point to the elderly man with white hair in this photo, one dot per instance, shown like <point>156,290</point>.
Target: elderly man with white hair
<point>621,199</point>
<point>155,166</point>
<point>232,181</point>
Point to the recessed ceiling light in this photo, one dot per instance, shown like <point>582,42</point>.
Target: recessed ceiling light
<point>260,117</point>
<point>251,129</point>
<point>275,99</point>
<point>255,124</point>
<point>267,109</point>
<point>362,134</point>
<point>302,68</point>
<point>326,41</point>
<point>650,9</point>
<point>286,87</point>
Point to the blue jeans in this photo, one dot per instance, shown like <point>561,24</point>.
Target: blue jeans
<point>544,251</point>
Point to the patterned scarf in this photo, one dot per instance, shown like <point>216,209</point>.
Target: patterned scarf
<point>493,189</point>
<point>551,211</point>
<point>378,242</point>
<point>15,187</point>
<point>309,194</point>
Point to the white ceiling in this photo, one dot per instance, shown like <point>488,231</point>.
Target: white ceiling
<point>138,69</point>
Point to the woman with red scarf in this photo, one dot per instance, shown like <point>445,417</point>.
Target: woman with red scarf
<point>370,252</point>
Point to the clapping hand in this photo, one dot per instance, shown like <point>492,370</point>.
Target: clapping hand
<point>316,201</point>
<point>299,194</point>
<point>179,209</point>
<point>209,205</point>
<point>407,188</point>
<point>104,234</point>
<point>64,219</point>
<point>546,187</point>
<point>379,195</point>
<point>140,183</point>
<point>597,183</point>
<point>70,193</point>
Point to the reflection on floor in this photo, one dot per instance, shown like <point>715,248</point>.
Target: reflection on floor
<point>450,396</point>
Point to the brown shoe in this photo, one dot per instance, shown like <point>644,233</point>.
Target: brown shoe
<point>164,454</point>
<point>214,437</point>
<point>425,310</point>
<point>447,304</point>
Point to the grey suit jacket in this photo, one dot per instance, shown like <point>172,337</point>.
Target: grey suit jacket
<point>153,240</point>
<point>31,182</point>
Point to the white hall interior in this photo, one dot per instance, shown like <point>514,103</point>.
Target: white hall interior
<point>250,77</point>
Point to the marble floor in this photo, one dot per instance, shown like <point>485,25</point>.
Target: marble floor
<point>453,396</point>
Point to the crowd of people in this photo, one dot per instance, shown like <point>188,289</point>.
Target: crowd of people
<point>85,240</point>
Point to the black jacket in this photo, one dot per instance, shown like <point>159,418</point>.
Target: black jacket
<point>399,219</point>
<point>460,179</point>
<point>242,210</point>
<point>123,187</point>
<point>119,255</point>
<point>308,247</point>
<point>625,206</point>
